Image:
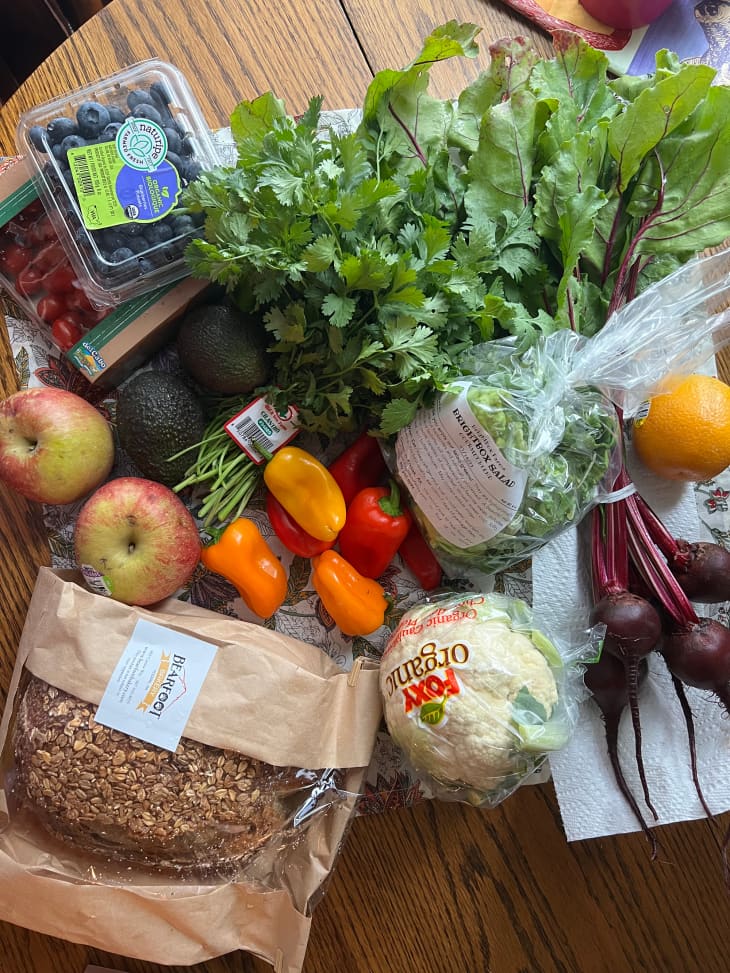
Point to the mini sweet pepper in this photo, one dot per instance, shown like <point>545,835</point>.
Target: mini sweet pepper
<point>242,556</point>
<point>291,535</point>
<point>307,491</point>
<point>418,557</point>
<point>377,523</point>
<point>356,604</point>
<point>361,465</point>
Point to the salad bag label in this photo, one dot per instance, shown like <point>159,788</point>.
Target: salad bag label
<point>457,474</point>
<point>264,693</point>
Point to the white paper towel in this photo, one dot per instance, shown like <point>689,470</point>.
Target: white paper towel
<point>590,803</point>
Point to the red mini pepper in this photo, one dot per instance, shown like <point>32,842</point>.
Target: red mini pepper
<point>420,560</point>
<point>291,535</point>
<point>360,466</point>
<point>375,527</point>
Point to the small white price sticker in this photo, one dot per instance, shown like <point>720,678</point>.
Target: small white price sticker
<point>259,424</point>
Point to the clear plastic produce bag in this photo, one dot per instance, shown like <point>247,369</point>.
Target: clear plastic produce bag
<point>477,696</point>
<point>525,442</point>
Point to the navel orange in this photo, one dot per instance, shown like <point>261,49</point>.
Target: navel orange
<point>685,434</point>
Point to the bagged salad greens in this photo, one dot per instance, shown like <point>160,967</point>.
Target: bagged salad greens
<point>523,444</point>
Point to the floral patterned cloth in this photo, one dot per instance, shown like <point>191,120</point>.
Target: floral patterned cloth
<point>389,783</point>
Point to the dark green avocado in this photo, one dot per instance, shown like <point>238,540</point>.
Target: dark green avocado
<point>157,416</point>
<point>223,349</point>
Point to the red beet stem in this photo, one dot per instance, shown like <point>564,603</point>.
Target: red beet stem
<point>656,530</point>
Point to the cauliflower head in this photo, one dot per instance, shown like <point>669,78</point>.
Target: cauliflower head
<point>469,690</point>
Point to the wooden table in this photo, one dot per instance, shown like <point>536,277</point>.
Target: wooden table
<point>441,887</point>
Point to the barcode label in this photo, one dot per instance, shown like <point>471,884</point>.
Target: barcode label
<point>247,429</point>
<point>260,425</point>
<point>82,175</point>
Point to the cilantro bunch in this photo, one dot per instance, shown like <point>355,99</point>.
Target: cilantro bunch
<point>544,198</point>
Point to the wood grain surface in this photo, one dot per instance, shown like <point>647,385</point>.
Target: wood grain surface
<point>439,887</point>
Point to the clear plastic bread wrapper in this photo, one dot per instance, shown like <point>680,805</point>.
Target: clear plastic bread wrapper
<point>526,440</point>
<point>176,783</point>
<point>477,695</point>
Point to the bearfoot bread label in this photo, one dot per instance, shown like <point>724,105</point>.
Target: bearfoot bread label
<point>155,684</point>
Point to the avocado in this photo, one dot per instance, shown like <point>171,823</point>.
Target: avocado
<point>223,349</point>
<point>157,416</point>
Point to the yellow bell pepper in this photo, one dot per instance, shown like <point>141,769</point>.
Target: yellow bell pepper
<point>307,491</point>
<point>357,604</point>
<point>242,556</point>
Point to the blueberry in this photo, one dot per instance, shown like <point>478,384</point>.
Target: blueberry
<point>138,244</point>
<point>58,129</point>
<point>147,111</point>
<point>173,139</point>
<point>186,145</point>
<point>159,233</point>
<point>109,133</point>
<point>137,97</point>
<point>37,136</point>
<point>113,239</point>
<point>57,152</point>
<point>146,266</point>
<point>121,254</point>
<point>191,170</point>
<point>131,229</point>
<point>116,115</point>
<point>70,142</point>
<point>176,161</point>
<point>182,225</point>
<point>92,119</point>
<point>160,92</point>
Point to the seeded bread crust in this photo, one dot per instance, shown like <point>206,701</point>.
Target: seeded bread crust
<point>113,795</point>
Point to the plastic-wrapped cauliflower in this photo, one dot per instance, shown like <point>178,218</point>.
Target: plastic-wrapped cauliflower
<point>475,696</point>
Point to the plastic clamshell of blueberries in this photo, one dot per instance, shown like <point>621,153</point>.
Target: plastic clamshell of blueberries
<point>109,161</point>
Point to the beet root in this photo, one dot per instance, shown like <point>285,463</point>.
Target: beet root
<point>633,629</point>
<point>699,655</point>
<point>633,626</point>
<point>703,571</point>
<point>606,680</point>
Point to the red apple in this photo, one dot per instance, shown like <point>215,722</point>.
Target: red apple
<point>136,541</point>
<point>55,447</point>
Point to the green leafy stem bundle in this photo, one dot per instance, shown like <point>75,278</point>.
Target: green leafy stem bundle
<point>545,197</point>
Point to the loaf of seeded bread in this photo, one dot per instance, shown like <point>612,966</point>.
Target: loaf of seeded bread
<point>110,794</point>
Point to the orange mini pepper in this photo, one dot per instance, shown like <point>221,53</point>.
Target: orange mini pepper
<point>307,491</point>
<point>357,604</point>
<point>242,556</point>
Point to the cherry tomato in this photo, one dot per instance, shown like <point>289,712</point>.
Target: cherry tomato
<point>78,300</point>
<point>29,281</point>
<point>60,280</point>
<point>49,257</point>
<point>13,258</point>
<point>67,330</point>
<point>42,230</point>
<point>50,307</point>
